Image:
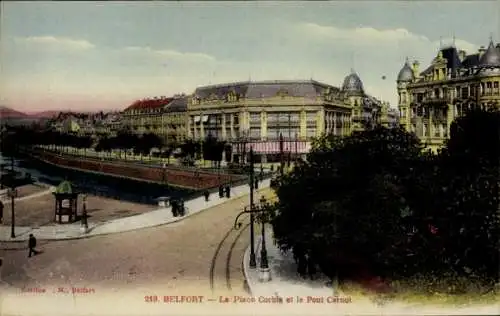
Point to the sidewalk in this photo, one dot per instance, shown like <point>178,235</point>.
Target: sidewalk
<point>285,283</point>
<point>34,195</point>
<point>157,217</point>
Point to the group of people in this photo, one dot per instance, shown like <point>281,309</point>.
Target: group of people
<point>178,208</point>
<point>225,190</point>
<point>305,263</point>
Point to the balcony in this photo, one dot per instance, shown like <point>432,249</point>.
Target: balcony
<point>283,123</point>
<point>443,100</point>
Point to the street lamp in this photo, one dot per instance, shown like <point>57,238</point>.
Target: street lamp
<point>296,148</point>
<point>85,224</point>
<point>281,154</point>
<point>265,272</point>
<point>244,140</point>
<point>12,194</point>
<point>252,210</point>
<point>253,264</point>
<point>262,208</point>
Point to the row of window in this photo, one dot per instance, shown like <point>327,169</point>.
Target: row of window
<point>439,113</point>
<point>483,89</point>
<point>255,117</point>
<point>256,133</point>
<point>438,130</point>
<point>215,119</point>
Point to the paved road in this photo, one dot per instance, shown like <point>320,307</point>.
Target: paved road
<point>169,260</point>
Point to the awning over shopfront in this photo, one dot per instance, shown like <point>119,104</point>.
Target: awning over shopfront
<point>273,147</point>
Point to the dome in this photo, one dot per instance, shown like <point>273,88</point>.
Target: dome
<point>406,73</point>
<point>353,84</point>
<point>491,57</point>
<point>64,187</point>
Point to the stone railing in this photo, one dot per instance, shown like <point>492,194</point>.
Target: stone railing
<point>192,179</point>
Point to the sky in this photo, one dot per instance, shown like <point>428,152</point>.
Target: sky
<point>89,56</point>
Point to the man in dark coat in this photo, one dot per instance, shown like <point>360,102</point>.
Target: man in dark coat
<point>32,245</point>
<point>181,210</point>
<point>1,212</point>
<point>175,207</point>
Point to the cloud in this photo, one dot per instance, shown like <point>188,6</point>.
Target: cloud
<point>57,42</point>
<point>362,34</point>
<point>372,52</point>
<point>171,54</point>
<point>369,36</point>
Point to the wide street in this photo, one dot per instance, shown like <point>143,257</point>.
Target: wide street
<point>174,259</point>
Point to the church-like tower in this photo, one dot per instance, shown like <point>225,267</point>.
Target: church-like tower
<point>406,75</point>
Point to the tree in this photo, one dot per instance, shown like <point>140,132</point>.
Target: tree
<point>104,144</point>
<point>377,201</point>
<point>468,219</point>
<point>167,152</point>
<point>147,142</point>
<point>343,206</point>
<point>228,149</point>
<point>189,148</point>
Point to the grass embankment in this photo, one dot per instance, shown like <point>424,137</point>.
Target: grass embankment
<point>443,292</point>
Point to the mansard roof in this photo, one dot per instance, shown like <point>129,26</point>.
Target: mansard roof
<point>265,89</point>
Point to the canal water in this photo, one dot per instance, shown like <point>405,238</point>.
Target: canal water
<point>100,185</point>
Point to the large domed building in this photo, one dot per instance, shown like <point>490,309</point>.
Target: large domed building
<point>257,114</point>
<point>353,85</point>
<point>406,73</point>
<point>454,82</point>
<point>367,110</point>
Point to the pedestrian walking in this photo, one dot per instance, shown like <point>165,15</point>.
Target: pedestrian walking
<point>1,212</point>
<point>175,207</point>
<point>182,210</point>
<point>207,195</point>
<point>32,245</point>
<point>311,267</point>
<point>221,191</point>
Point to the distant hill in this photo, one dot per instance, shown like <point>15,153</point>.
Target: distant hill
<point>8,113</point>
<point>44,114</point>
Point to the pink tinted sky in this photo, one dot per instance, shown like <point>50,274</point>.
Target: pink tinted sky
<point>104,55</point>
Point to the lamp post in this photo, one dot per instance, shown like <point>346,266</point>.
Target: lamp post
<point>265,272</point>
<point>13,194</point>
<point>85,224</point>
<point>296,148</point>
<point>281,154</point>
<point>262,208</point>
<point>244,146</point>
<point>253,264</point>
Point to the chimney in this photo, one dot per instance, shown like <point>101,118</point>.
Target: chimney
<point>415,68</point>
<point>462,55</point>
<point>481,51</point>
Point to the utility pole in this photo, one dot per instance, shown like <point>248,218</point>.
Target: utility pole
<point>253,263</point>
<point>12,193</point>
<point>281,154</point>
<point>296,148</point>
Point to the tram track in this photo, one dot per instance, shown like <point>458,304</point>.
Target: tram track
<point>220,268</point>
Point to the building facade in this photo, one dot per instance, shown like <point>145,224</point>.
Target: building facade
<point>99,123</point>
<point>367,111</point>
<point>165,117</point>
<point>255,114</point>
<point>454,82</point>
